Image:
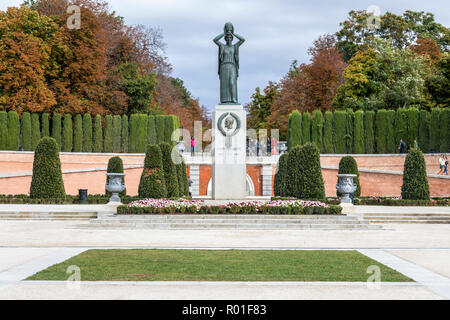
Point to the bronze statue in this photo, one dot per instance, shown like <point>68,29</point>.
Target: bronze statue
<point>228,64</point>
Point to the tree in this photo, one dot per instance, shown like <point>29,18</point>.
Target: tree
<point>26,131</point>
<point>134,132</point>
<point>348,165</point>
<point>435,132</point>
<point>151,136</point>
<point>415,181</point>
<point>3,130</point>
<point>117,133</point>
<point>340,118</point>
<point>160,127</point>
<point>125,134</point>
<point>78,134</point>
<point>380,131</point>
<point>391,144</point>
<point>35,131</point>
<point>47,182</point>
<point>170,173</point>
<point>108,135</point>
<point>305,180</point>
<point>358,141</point>
<point>369,142</point>
<point>438,84</point>
<point>56,129</point>
<point>317,129</point>
<point>98,134</point>
<point>259,108</point>
<point>142,133</point>
<point>306,127</point>
<point>295,129</point>
<point>68,133</point>
<point>424,131</point>
<point>328,132</point>
<point>115,165</point>
<point>152,183</point>
<point>87,133</point>
<point>45,125</point>
<point>281,177</point>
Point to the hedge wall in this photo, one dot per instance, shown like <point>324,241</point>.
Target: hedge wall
<point>35,131</point>
<point>26,131</point>
<point>13,131</point>
<point>306,128</point>
<point>369,141</point>
<point>97,145</point>
<point>380,131</point>
<point>358,130</point>
<point>294,131</point>
<point>317,129</point>
<point>3,130</point>
<point>56,130</point>
<point>78,134</point>
<point>340,118</point>
<point>160,127</point>
<point>87,133</point>
<point>328,145</point>
<point>424,131</point>
<point>108,135</point>
<point>45,125</point>
<point>444,128</point>
<point>117,134</point>
<point>391,145</point>
<point>125,134</point>
<point>142,133</point>
<point>434,130</point>
<point>68,133</point>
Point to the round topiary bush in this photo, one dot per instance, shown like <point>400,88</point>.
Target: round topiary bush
<point>305,180</point>
<point>348,165</point>
<point>47,182</point>
<point>415,181</point>
<point>281,176</point>
<point>170,172</point>
<point>152,184</point>
<point>115,165</point>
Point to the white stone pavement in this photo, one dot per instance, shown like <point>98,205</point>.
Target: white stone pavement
<point>421,252</point>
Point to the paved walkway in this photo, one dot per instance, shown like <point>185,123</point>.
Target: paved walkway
<point>421,252</point>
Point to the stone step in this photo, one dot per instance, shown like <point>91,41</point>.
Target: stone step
<point>47,216</point>
<point>407,215</point>
<point>411,221</point>
<point>398,217</point>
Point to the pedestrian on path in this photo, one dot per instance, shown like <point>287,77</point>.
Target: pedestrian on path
<point>441,165</point>
<point>192,146</point>
<point>445,165</point>
<point>402,146</point>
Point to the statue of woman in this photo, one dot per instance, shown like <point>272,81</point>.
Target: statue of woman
<point>228,64</point>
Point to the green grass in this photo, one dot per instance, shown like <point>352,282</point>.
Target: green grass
<point>206,265</point>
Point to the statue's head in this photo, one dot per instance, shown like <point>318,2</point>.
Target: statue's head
<point>229,38</point>
<point>228,29</point>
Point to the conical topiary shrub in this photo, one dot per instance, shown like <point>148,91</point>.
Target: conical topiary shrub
<point>181,178</point>
<point>170,173</point>
<point>47,181</point>
<point>348,165</point>
<point>152,184</point>
<point>281,177</point>
<point>305,180</point>
<point>185,179</point>
<point>115,165</point>
<point>415,181</point>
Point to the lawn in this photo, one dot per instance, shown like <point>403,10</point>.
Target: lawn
<point>223,265</point>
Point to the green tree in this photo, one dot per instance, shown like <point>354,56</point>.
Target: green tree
<point>380,131</point>
<point>78,134</point>
<point>281,177</point>
<point>3,130</point>
<point>26,131</point>
<point>35,131</point>
<point>435,132</point>
<point>56,130</point>
<point>317,129</point>
<point>151,136</point>
<point>160,127</point>
<point>108,135</point>
<point>47,181</point>
<point>413,125</point>
<point>340,118</point>
<point>294,129</point>
<point>328,132</point>
<point>152,184</point>
<point>125,136</point>
<point>415,181</point>
<point>259,108</point>
<point>445,130</point>
<point>134,132</point>
<point>68,133</point>
<point>87,133</point>
<point>98,134</point>
<point>358,141</point>
<point>369,141</point>
<point>117,133</point>
<point>142,133</point>
<point>45,125</point>
<point>424,131</point>
<point>391,144</point>
<point>170,174</point>
<point>438,84</point>
<point>306,127</point>
<point>401,125</point>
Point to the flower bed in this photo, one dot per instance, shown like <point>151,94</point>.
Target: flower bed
<point>398,201</point>
<point>278,207</point>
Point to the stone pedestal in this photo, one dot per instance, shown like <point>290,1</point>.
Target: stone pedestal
<point>229,153</point>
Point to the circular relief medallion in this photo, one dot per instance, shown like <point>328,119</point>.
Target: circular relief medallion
<point>229,124</point>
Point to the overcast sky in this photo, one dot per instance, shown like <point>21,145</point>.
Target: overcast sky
<point>277,32</point>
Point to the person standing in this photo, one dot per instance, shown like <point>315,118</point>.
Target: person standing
<point>416,144</point>
<point>441,165</point>
<point>274,146</point>
<point>402,146</point>
<point>192,146</point>
<point>190,182</point>
<point>445,165</point>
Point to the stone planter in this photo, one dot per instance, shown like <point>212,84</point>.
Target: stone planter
<point>346,187</point>
<point>115,186</point>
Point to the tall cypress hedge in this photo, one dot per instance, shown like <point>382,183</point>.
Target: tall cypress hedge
<point>413,126</point>
<point>328,132</point>
<point>68,133</point>
<point>47,182</point>
<point>35,131</point>
<point>170,124</point>
<point>306,128</point>
<point>78,134</point>
<point>415,181</point>
<point>26,131</point>
<point>349,119</point>
<point>152,184</point>
<point>380,131</point>
<point>294,129</point>
<point>401,126</point>
<point>108,135</point>
<point>125,133</point>
<point>117,134</point>
<point>185,179</point>
<point>340,119</point>
<point>348,165</point>
<point>369,141</point>
<point>56,130</point>
<point>151,136</point>
<point>160,127</point>
<point>358,131</point>
<point>142,133</point>
<point>13,136</point>
<point>3,130</point>
<point>444,130</point>
<point>424,131</point>
<point>391,145</point>
<point>317,129</point>
<point>87,133</point>
<point>435,132</point>
<point>45,131</point>
<point>281,177</point>
<point>98,134</point>
<point>170,173</point>
<point>134,132</point>
<point>305,180</point>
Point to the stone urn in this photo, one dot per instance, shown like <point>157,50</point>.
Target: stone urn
<point>115,186</point>
<point>346,187</point>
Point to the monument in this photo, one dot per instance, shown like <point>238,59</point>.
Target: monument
<point>229,124</point>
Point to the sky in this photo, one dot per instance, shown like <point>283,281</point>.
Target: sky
<point>277,32</point>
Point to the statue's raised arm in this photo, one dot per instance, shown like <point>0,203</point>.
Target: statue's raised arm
<point>216,39</point>
<point>240,38</point>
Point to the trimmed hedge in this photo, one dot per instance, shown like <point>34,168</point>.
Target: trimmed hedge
<point>424,131</point>
<point>13,131</point>
<point>87,133</point>
<point>305,180</point>
<point>369,142</point>
<point>152,184</point>
<point>26,131</point>
<point>413,126</point>
<point>294,130</point>
<point>348,165</point>
<point>415,181</point>
<point>3,130</point>
<point>306,128</point>
<point>170,173</point>
<point>170,127</point>
<point>280,180</point>
<point>444,128</point>
<point>47,179</point>
<point>142,133</point>
<point>185,181</point>
<point>134,132</point>
<point>317,129</point>
<point>380,131</point>
<point>401,126</point>
<point>45,125</point>
<point>391,144</point>
<point>125,134</point>
<point>340,118</point>
<point>108,135</point>
<point>78,134</point>
<point>160,128</point>
<point>117,134</point>
<point>115,165</point>
<point>68,133</point>
<point>349,119</point>
<point>56,130</point>
<point>98,135</point>
<point>328,145</point>
<point>35,131</point>
<point>151,136</point>
<point>358,141</point>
